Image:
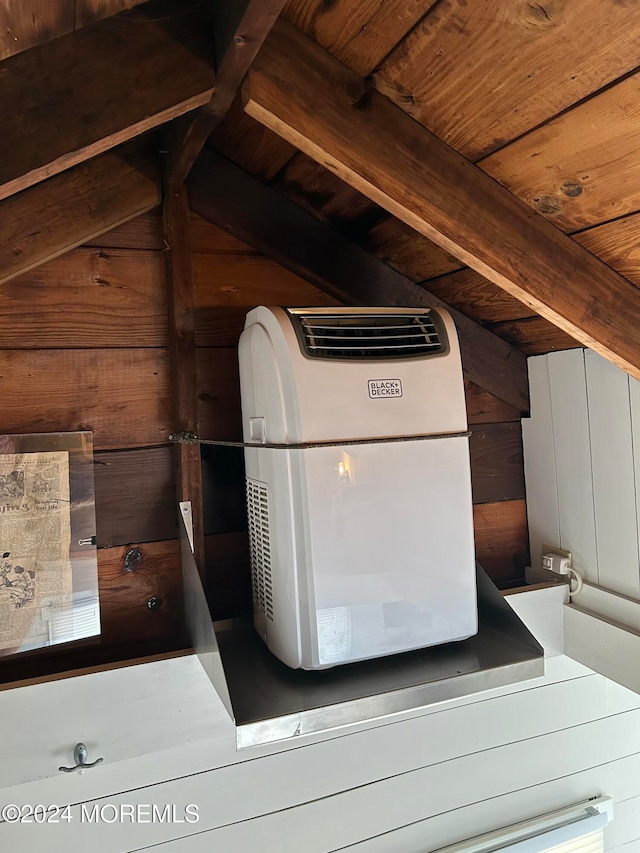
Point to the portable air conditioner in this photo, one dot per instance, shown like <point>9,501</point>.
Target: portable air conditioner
<point>357,549</point>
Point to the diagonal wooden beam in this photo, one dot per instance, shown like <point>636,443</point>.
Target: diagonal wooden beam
<point>78,96</point>
<point>57,215</point>
<point>275,226</point>
<point>240,27</point>
<point>306,96</point>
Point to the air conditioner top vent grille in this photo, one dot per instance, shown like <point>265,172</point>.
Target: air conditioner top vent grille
<point>370,336</point>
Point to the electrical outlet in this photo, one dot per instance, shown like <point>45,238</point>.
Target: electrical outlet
<point>555,559</point>
<point>552,549</point>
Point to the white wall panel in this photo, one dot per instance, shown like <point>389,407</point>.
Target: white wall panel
<point>572,449</point>
<point>540,462</point>
<point>582,465</point>
<point>614,487</point>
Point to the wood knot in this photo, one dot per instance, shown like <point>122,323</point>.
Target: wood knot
<point>572,189</point>
<point>547,204</point>
<point>537,14</point>
<point>132,560</point>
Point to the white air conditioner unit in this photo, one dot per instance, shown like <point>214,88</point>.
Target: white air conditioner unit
<point>366,549</point>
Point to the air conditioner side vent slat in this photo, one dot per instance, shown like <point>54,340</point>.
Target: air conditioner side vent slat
<point>260,547</point>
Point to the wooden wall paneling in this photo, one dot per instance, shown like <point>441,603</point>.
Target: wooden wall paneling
<point>548,61</point>
<point>225,195</point>
<point>135,496</point>
<point>219,326</point>
<point>224,490</point>
<point>122,395</point>
<point>534,335</point>
<point>613,476</point>
<point>361,35</point>
<point>497,472</point>
<point>228,574</point>
<point>87,298</point>
<point>143,232</point>
<point>574,479</point>
<point>125,613</point>
<point>502,539</point>
<point>182,356</point>
<point>247,280</point>
<point>540,463</point>
<point>485,408</point>
<point>207,238</point>
<point>218,393</point>
<point>78,74</point>
<point>46,220</point>
<point>407,251</point>
<point>581,168</point>
<point>446,198</point>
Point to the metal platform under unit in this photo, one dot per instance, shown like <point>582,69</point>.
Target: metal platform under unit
<point>270,702</point>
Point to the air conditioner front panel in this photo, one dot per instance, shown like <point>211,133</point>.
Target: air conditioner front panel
<point>366,549</point>
<point>326,399</point>
<point>388,573</point>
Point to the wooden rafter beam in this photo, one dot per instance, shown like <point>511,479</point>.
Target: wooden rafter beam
<point>47,220</point>
<point>275,226</point>
<point>310,99</point>
<point>240,28</point>
<point>78,96</point>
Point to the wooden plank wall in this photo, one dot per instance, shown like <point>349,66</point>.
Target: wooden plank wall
<point>83,345</point>
<point>582,461</point>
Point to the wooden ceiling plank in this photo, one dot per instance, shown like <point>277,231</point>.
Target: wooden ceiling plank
<point>311,186</point>
<point>57,215</point>
<point>240,29</point>
<point>534,335</point>
<point>477,297</point>
<point>65,91</point>
<point>27,24</point>
<point>445,73</point>
<point>407,251</point>
<point>89,11</point>
<point>298,90</point>
<point>582,168</point>
<point>617,243</point>
<point>271,224</point>
<point>360,34</point>
<point>250,145</point>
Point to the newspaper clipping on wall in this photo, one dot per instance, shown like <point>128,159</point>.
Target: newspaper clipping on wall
<point>35,536</point>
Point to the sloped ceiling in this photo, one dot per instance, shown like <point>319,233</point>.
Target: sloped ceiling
<point>542,96</point>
